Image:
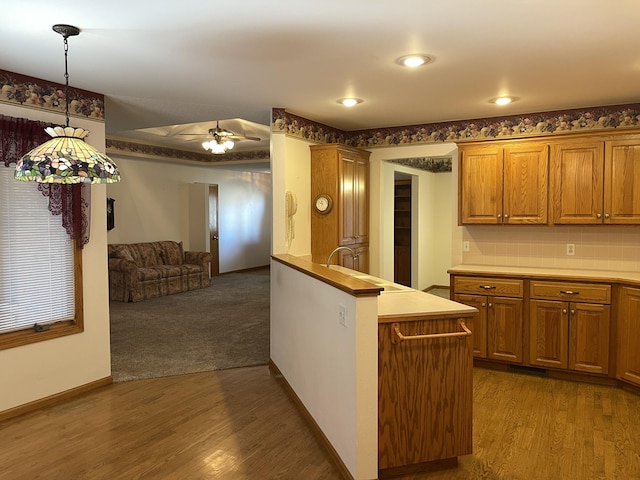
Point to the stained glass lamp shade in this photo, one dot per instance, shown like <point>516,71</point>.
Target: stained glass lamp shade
<point>66,158</point>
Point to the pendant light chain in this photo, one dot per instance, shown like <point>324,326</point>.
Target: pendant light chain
<point>66,78</point>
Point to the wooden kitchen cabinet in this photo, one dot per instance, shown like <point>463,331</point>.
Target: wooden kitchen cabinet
<point>628,338</point>
<point>341,173</point>
<point>425,392</point>
<point>503,183</point>
<point>500,306</point>
<point>569,326</point>
<point>595,181</point>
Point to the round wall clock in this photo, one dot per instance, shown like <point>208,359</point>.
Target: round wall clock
<point>323,203</point>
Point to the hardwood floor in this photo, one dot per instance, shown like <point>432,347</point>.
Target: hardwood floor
<point>240,424</point>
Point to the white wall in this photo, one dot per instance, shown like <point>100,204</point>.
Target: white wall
<point>291,170</point>
<point>152,203</point>
<point>333,369</point>
<point>43,369</point>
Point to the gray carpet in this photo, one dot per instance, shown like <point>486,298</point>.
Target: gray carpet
<point>223,326</point>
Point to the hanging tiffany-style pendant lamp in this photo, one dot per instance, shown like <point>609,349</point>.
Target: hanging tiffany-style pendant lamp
<point>66,158</point>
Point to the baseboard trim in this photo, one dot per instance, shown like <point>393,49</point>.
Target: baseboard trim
<point>54,399</point>
<point>315,428</point>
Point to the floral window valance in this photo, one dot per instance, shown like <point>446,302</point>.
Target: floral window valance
<point>72,202</point>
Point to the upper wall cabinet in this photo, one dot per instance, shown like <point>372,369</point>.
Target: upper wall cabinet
<point>595,181</point>
<point>503,183</point>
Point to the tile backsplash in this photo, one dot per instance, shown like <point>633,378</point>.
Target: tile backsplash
<point>603,247</point>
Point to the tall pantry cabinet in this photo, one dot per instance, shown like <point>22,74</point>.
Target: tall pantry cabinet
<point>340,205</point>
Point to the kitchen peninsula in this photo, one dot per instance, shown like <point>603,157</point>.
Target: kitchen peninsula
<point>352,350</point>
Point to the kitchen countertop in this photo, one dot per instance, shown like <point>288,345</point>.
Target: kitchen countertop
<point>609,276</point>
<point>398,302</point>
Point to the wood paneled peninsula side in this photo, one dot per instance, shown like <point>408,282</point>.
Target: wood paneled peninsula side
<point>381,371</point>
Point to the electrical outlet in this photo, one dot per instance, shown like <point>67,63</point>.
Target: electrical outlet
<point>465,246</point>
<point>342,315</point>
<point>571,249</point>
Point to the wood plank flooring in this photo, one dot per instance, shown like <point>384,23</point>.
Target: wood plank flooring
<point>240,424</point>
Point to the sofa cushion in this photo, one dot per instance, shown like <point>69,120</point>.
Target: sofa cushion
<point>122,253</point>
<point>146,274</point>
<point>171,253</point>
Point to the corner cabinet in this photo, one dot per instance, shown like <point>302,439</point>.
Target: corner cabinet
<point>628,361</point>
<point>503,183</point>
<point>340,173</point>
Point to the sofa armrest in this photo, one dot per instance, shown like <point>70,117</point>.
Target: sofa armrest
<point>122,265</point>
<point>197,258</point>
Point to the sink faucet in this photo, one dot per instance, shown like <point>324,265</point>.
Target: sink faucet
<point>353,254</point>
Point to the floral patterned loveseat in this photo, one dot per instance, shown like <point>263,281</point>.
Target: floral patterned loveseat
<point>138,271</point>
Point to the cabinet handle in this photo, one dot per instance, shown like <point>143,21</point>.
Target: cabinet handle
<point>564,310</point>
<point>569,292</point>
<point>598,215</point>
<point>606,215</point>
<point>499,215</point>
<point>490,304</point>
<point>487,287</point>
<point>397,336</point>
<point>573,312</point>
<point>506,216</point>
<point>484,304</point>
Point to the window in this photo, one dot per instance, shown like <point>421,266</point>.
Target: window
<point>40,268</point>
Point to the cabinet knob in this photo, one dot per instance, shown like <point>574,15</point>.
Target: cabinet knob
<point>484,304</point>
<point>564,310</point>
<point>499,215</point>
<point>598,215</point>
<point>606,215</point>
<point>506,216</point>
<point>490,304</point>
<point>573,312</point>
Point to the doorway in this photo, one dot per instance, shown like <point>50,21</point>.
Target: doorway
<point>402,229</point>
<point>213,230</point>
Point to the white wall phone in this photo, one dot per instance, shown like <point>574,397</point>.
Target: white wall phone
<point>291,207</point>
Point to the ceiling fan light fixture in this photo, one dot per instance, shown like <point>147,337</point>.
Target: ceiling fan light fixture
<point>66,158</point>
<point>218,146</point>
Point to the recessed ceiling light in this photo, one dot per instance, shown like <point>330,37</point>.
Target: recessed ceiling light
<point>502,100</point>
<point>414,60</point>
<point>349,102</point>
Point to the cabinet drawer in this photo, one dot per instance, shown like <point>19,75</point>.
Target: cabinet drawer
<point>571,292</point>
<point>488,286</point>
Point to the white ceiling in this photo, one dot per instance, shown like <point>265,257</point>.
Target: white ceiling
<point>164,64</point>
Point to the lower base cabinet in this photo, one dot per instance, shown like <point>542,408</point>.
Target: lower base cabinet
<point>628,359</point>
<point>425,393</point>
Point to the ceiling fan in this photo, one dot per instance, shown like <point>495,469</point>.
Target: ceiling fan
<point>222,140</point>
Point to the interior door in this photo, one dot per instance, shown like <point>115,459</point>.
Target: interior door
<point>213,230</point>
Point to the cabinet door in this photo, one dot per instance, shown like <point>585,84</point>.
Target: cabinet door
<point>577,182</point>
<point>622,182</point>
<point>478,323</point>
<point>525,189</point>
<point>354,199</point>
<point>361,261</point>
<point>628,364</point>
<point>548,339</point>
<point>504,329</point>
<point>480,185</point>
<point>589,337</point>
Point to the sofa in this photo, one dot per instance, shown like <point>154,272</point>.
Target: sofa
<point>138,271</point>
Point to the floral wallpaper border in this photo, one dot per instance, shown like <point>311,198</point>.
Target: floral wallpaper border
<point>516,126</point>
<point>152,150</point>
<point>430,164</point>
<point>37,93</point>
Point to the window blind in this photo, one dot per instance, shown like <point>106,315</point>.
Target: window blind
<point>36,259</point>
